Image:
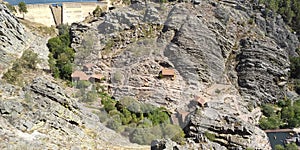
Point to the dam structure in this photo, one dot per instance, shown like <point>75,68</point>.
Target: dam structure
<point>54,14</point>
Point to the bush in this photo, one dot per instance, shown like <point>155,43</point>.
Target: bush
<point>210,136</point>
<point>174,132</point>
<point>268,110</point>
<point>295,67</point>
<point>97,12</point>
<point>28,61</point>
<point>291,146</point>
<point>272,122</point>
<point>279,147</point>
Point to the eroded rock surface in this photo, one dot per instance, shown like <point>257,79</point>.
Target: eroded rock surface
<point>44,116</point>
<point>13,38</point>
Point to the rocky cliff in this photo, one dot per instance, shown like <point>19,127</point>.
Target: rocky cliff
<point>12,36</point>
<point>228,57</point>
<point>228,53</point>
<point>42,115</point>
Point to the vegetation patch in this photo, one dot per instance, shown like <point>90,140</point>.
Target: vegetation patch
<point>26,64</point>
<point>288,9</point>
<point>61,55</point>
<point>285,114</point>
<point>141,122</point>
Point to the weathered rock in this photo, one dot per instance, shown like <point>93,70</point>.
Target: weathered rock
<point>227,130</point>
<point>262,63</point>
<point>49,118</point>
<point>218,53</point>
<point>13,38</point>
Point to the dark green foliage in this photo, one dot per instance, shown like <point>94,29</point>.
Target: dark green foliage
<point>97,12</point>
<point>22,7</point>
<point>272,122</point>
<point>108,103</point>
<point>62,55</point>
<point>295,73</point>
<point>295,67</point>
<point>268,110</point>
<point>286,114</point>
<point>289,9</point>
<point>279,147</point>
<point>210,136</point>
<point>291,146</point>
<point>143,122</point>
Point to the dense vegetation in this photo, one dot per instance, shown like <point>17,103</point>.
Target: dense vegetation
<point>290,146</point>
<point>26,63</point>
<point>61,55</point>
<point>141,122</point>
<point>285,114</point>
<point>289,9</point>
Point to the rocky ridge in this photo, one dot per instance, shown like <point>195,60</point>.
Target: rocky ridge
<point>13,38</point>
<point>228,54</point>
<point>44,116</point>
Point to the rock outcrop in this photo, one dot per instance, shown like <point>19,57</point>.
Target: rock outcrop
<point>225,53</point>
<point>44,116</point>
<point>13,38</point>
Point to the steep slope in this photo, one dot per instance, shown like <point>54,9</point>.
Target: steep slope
<point>13,38</point>
<point>223,52</point>
<point>44,116</point>
<point>41,115</point>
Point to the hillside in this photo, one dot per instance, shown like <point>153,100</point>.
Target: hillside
<point>210,64</point>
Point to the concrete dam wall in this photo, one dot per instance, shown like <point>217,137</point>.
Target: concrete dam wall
<point>65,13</point>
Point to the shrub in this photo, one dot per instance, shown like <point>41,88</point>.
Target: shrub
<point>97,12</point>
<point>279,147</point>
<point>210,136</point>
<point>174,132</point>
<point>268,110</point>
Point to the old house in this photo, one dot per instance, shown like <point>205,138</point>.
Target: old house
<point>167,73</point>
<point>95,78</point>
<point>79,76</point>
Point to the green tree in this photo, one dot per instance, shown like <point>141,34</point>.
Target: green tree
<point>22,8</point>
<point>295,67</point>
<point>268,110</point>
<point>272,122</point>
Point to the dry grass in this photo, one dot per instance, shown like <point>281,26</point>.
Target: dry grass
<point>39,28</point>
